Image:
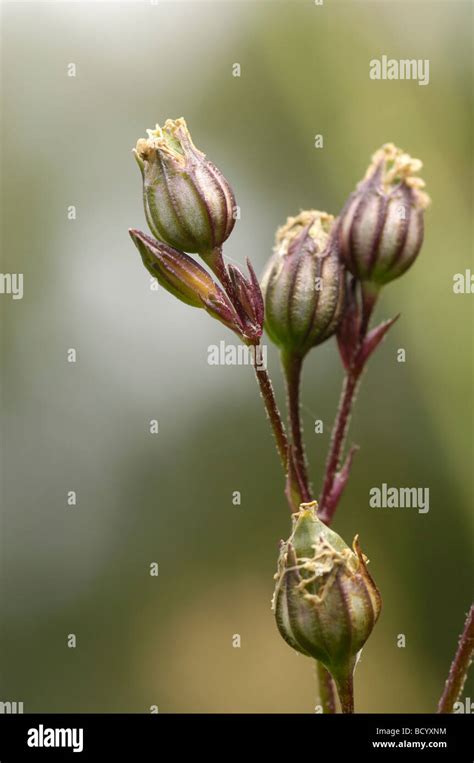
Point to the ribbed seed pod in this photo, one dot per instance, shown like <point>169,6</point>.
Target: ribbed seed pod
<point>325,602</point>
<point>380,230</point>
<point>303,284</point>
<point>188,202</point>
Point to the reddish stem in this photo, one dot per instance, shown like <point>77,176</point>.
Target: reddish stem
<point>338,439</point>
<point>292,365</point>
<point>346,693</point>
<point>459,666</point>
<point>326,512</point>
<point>273,414</point>
<point>327,690</point>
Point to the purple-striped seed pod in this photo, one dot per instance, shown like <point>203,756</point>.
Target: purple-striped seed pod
<point>303,284</point>
<point>380,230</point>
<point>188,202</point>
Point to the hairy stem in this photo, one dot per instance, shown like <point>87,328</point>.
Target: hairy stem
<point>338,438</point>
<point>327,690</point>
<point>459,666</point>
<point>368,295</point>
<point>345,688</point>
<point>292,365</point>
<point>273,413</point>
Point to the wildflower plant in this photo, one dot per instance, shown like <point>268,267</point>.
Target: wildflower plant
<point>322,281</point>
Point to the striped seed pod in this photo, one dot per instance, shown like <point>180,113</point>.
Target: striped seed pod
<point>303,284</point>
<point>325,602</point>
<point>380,230</point>
<point>189,204</point>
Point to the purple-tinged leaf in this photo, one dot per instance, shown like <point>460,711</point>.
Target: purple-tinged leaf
<point>338,486</point>
<point>373,339</point>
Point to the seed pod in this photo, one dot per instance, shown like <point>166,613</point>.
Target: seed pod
<point>380,230</point>
<point>303,284</point>
<point>325,602</point>
<point>188,202</point>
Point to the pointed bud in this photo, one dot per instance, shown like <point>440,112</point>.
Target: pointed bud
<point>188,202</point>
<point>325,602</point>
<point>380,230</point>
<point>175,271</point>
<point>303,284</point>
<point>185,279</point>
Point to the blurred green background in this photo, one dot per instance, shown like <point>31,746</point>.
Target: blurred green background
<point>142,355</point>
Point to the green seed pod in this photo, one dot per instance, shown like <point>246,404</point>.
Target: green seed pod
<point>303,284</point>
<point>188,202</point>
<point>380,230</point>
<point>325,602</point>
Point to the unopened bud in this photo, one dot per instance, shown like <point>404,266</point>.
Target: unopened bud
<point>380,230</point>
<point>188,202</point>
<point>186,279</point>
<point>325,602</point>
<point>303,284</point>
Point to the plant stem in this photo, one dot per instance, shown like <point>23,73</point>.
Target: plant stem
<point>273,413</point>
<point>368,296</point>
<point>345,688</point>
<point>327,692</point>
<point>292,365</point>
<point>459,666</point>
<point>338,438</point>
